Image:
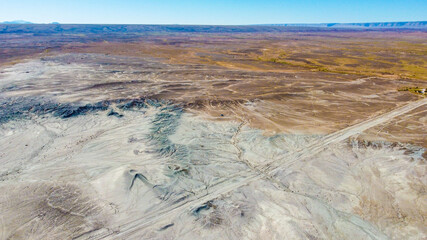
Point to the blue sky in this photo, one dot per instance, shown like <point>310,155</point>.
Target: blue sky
<point>212,12</point>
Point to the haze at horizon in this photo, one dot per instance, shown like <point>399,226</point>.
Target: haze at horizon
<point>219,12</point>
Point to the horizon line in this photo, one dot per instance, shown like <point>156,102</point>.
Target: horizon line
<point>195,24</point>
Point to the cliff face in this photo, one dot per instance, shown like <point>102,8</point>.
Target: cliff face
<point>26,27</point>
<point>420,24</point>
<point>384,25</point>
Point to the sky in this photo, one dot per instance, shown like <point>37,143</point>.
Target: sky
<point>218,12</point>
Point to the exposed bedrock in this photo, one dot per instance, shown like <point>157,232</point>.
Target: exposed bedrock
<point>159,172</point>
<point>97,146</point>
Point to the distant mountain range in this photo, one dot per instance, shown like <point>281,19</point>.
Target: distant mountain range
<point>21,26</point>
<point>16,22</point>
<point>418,24</point>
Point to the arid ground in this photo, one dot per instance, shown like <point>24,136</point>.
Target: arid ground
<point>212,132</point>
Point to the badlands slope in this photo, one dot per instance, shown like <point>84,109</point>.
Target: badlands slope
<point>97,146</point>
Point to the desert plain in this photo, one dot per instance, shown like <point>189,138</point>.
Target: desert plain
<point>212,132</point>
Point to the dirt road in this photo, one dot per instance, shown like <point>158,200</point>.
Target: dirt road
<point>300,156</point>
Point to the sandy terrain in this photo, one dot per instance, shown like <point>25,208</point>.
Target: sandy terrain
<point>129,177</point>
<point>122,143</point>
<point>302,102</point>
